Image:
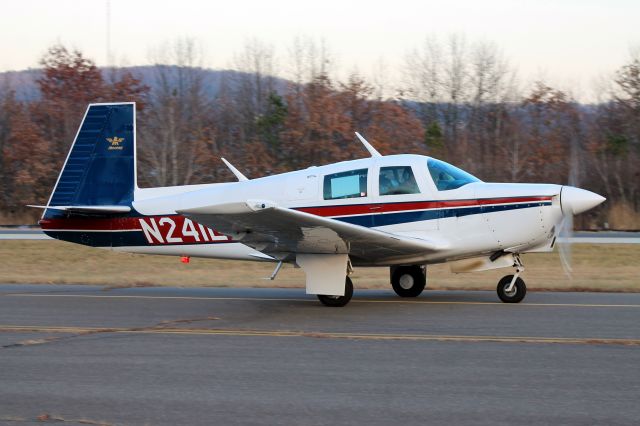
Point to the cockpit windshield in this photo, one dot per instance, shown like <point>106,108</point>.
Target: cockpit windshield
<point>447,177</point>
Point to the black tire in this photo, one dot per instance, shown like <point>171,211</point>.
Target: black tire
<point>408,281</point>
<point>518,292</point>
<point>338,301</point>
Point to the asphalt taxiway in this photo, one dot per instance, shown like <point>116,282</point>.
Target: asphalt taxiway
<point>273,356</point>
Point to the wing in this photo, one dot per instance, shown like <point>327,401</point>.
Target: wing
<point>277,230</point>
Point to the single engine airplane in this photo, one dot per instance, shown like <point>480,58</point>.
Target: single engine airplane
<point>397,211</point>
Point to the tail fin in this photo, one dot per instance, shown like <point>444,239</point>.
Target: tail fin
<point>99,174</point>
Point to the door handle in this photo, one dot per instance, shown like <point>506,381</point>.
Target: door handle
<point>375,208</point>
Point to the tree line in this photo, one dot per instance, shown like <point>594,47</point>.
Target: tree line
<point>457,101</point>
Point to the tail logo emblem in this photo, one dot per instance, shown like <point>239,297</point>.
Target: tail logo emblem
<point>115,143</point>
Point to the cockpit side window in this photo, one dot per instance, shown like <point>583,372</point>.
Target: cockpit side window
<point>351,184</point>
<point>397,180</point>
<point>447,177</point>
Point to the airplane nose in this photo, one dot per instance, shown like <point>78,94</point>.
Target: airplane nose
<point>575,200</point>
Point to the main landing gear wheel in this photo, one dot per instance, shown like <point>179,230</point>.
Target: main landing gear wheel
<point>338,301</point>
<point>408,281</point>
<point>513,295</point>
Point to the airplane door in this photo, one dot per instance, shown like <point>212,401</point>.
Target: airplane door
<point>403,199</point>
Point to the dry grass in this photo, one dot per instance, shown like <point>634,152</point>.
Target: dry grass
<point>603,267</point>
<point>623,216</point>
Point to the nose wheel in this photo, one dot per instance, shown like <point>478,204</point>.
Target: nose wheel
<point>511,293</point>
<point>511,288</point>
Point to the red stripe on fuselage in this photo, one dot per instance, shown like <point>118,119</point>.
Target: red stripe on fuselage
<point>355,209</point>
<point>92,224</point>
<point>133,223</point>
<point>174,229</point>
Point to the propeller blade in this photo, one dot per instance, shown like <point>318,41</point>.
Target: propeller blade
<point>564,244</point>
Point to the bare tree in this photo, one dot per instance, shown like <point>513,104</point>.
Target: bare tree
<point>381,80</point>
<point>618,145</point>
<point>423,78</point>
<point>309,59</point>
<point>437,76</point>
<point>175,131</point>
<point>491,84</point>
<point>250,88</point>
<point>7,112</point>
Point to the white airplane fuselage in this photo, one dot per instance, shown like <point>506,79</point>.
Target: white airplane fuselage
<point>475,219</point>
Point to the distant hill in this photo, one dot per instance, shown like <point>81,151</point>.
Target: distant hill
<point>23,82</point>
<point>25,86</point>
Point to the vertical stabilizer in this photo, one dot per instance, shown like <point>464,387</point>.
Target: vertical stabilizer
<point>100,169</point>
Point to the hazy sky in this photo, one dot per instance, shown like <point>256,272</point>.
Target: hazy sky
<point>568,42</point>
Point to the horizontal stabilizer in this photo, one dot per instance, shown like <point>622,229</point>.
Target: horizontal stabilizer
<point>88,209</point>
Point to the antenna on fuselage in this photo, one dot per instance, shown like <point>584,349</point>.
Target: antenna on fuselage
<point>371,149</point>
<point>236,172</point>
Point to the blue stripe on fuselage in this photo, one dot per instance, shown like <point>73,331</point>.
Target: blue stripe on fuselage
<point>384,219</point>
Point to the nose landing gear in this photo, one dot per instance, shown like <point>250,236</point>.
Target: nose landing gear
<point>511,288</point>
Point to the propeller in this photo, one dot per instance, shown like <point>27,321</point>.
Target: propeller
<point>572,201</point>
<point>565,239</point>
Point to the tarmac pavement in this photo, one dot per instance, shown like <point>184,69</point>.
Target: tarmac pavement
<point>273,356</point>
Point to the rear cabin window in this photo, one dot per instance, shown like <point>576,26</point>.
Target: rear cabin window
<point>351,184</point>
<point>397,180</point>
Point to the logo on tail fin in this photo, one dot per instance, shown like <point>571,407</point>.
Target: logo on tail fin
<point>115,142</point>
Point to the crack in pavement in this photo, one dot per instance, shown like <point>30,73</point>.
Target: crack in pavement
<point>165,328</point>
<point>54,418</point>
<point>162,325</point>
